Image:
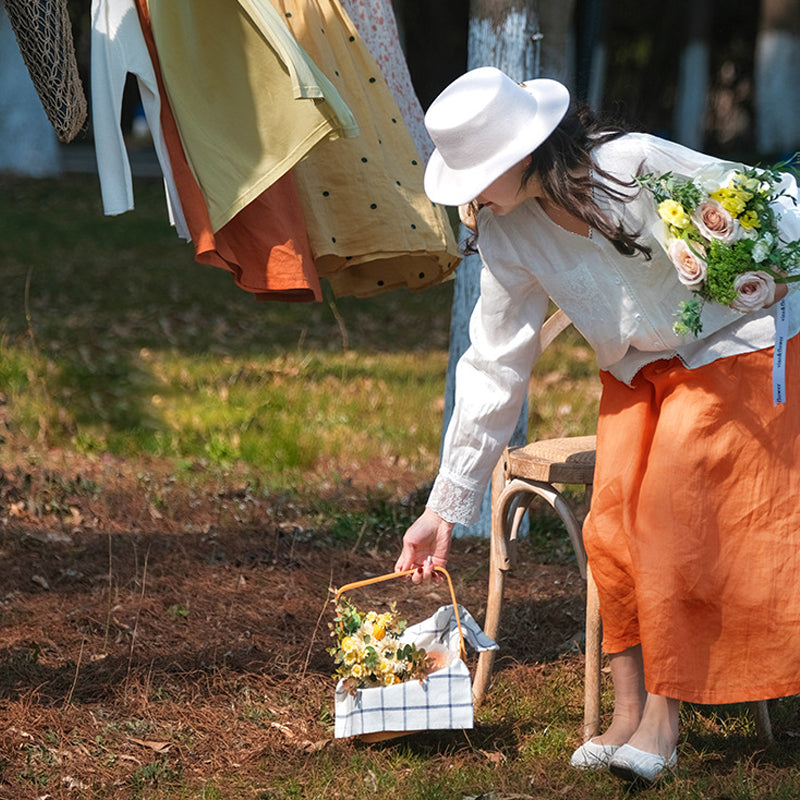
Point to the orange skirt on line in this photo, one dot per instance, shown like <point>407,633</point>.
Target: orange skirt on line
<point>694,531</point>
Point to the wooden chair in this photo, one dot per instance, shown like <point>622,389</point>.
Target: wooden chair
<point>537,470</point>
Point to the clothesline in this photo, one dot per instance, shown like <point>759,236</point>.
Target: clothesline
<point>285,153</point>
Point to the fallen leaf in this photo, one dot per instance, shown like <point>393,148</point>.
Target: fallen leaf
<point>283,729</point>
<point>23,734</point>
<point>372,779</point>
<point>313,747</point>
<point>18,509</point>
<point>158,747</point>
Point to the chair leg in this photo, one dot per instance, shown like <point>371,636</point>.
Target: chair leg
<point>494,604</point>
<point>483,674</point>
<point>763,724</point>
<point>591,701</point>
<point>498,564</point>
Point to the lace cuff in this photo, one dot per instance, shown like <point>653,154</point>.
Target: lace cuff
<point>454,502</point>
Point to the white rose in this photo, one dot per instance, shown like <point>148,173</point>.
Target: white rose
<point>714,175</point>
<point>762,248</point>
<point>691,267</point>
<point>754,290</point>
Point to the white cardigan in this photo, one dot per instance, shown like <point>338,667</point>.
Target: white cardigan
<point>624,306</point>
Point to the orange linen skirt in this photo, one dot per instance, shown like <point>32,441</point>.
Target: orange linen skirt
<point>694,531</point>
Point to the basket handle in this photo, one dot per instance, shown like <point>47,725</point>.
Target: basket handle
<point>391,575</point>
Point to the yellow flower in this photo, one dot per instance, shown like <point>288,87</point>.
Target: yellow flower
<point>348,644</point>
<point>357,670</point>
<point>750,220</point>
<point>672,212</point>
<point>748,186</point>
<point>731,200</point>
<point>385,666</point>
<point>378,632</point>
<point>390,680</point>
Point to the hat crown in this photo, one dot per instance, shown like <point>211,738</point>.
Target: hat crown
<point>472,118</point>
<point>482,124</point>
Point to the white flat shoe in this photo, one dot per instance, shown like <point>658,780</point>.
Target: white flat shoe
<point>632,764</point>
<point>591,755</point>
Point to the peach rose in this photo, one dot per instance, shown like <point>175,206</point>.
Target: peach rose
<point>690,265</point>
<point>755,290</point>
<point>714,222</point>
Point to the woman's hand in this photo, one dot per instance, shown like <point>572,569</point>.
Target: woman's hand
<point>425,546</point>
<point>781,290</point>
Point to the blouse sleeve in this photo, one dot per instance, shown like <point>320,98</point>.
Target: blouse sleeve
<point>491,384</point>
<point>663,155</point>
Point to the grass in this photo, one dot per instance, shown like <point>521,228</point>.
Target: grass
<point>242,453</point>
<point>115,340</point>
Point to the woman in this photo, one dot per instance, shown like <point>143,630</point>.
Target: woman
<point>692,534</point>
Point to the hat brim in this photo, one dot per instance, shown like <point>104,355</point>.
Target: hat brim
<point>453,187</point>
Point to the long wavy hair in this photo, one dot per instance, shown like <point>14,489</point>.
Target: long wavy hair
<point>564,167</point>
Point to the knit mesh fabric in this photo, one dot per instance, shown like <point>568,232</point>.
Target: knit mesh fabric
<point>44,34</point>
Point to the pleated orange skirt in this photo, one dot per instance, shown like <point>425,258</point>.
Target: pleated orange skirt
<point>694,531</point>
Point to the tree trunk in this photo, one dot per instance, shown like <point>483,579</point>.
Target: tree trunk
<point>692,92</point>
<point>28,143</point>
<point>505,34</point>
<point>777,77</point>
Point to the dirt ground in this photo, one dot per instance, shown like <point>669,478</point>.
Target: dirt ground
<point>154,635</point>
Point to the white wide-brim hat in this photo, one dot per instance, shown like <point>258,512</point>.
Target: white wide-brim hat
<point>482,125</point>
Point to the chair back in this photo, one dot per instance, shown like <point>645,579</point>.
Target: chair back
<point>557,322</point>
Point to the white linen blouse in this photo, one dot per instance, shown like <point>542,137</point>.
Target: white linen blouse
<point>623,305</point>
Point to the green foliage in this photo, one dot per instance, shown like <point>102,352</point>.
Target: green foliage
<point>177,612</point>
<point>370,525</point>
<point>725,262</point>
<point>672,186</point>
<point>689,314</point>
<point>155,774</point>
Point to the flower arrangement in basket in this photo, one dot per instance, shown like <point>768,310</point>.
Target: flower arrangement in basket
<point>395,678</point>
<point>722,236</point>
<point>370,652</point>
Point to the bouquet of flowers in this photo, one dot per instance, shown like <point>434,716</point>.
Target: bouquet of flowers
<point>369,651</point>
<point>722,236</point>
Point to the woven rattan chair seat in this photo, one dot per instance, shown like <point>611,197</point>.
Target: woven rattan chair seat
<point>568,460</point>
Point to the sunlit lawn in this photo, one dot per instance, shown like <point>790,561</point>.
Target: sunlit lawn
<point>116,340</point>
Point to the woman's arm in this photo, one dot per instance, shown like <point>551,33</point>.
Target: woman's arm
<point>492,380</point>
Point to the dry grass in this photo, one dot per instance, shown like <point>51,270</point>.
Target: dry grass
<point>172,657</point>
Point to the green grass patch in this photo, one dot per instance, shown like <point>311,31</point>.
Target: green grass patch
<point>116,340</point>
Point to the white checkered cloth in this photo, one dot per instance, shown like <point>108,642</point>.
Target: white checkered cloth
<point>442,701</point>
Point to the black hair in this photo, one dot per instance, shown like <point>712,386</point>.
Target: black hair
<point>564,167</point>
